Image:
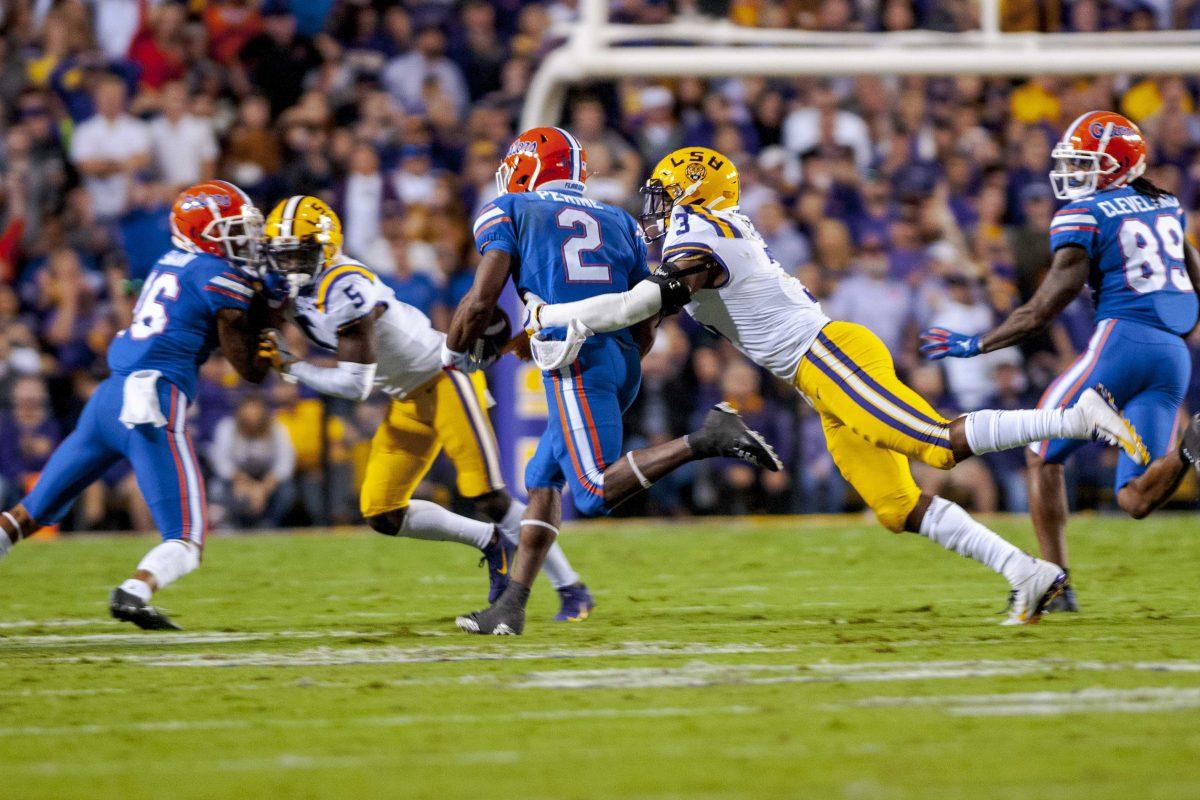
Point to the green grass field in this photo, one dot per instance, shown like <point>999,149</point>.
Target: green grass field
<point>734,658</point>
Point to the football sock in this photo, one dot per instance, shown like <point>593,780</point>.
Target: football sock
<point>139,589</point>
<point>991,431</point>
<point>5,543</point>
<point>510,523</point>
<point>429,521</point>
<point>557,568</point>
<point>951,526</point>
<point>170,561</point>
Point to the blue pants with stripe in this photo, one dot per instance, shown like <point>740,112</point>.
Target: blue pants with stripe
<point>1146,369</point>
<point>584,433</point>
<point>163,459</point>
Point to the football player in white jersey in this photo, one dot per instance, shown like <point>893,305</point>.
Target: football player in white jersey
<point>343,307</point>
<point>718,267</point>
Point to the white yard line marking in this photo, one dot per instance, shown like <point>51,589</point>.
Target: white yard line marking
<point>330,656</point>
<point>56,623</point>
<point>92,729</point>
<point>157,639</point>
<point>284,762</point>
<point>1142,699</point>
<point>705,674</point>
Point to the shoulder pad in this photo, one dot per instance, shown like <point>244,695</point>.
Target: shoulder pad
<point>498,210</point>
<point>346,291</point>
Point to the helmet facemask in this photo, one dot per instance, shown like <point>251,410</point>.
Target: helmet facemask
<point>1077,173</point>
<point>296,260</point>
<point>508,168</point>
<point>657,202</point>
<point>239,237</point>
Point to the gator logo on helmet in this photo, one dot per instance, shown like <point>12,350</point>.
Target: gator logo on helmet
<point>695,172</point>
<point>189,201</point>
<point>520,148</point>
<point>1097,129</point>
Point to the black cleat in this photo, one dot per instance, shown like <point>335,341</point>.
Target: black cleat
<point>505,617</point>
<point>1189,448</point>
<point>129,607</point>
<point>725,434</point>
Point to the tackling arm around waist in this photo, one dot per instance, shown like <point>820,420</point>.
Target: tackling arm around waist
<point>606,312</point>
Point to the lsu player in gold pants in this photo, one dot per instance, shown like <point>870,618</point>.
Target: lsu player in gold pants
<point>343,307</point>
<point>716,265</point>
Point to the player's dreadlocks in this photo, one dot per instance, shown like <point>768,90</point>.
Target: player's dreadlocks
<point>1144,186</point>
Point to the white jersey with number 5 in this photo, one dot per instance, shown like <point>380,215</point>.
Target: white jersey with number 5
<point>766,313</point>
<point>407,347</point>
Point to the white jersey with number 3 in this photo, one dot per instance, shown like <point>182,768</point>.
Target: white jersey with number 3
<point>407,347</point>
<point>767,314</point>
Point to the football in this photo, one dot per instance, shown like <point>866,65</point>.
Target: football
<point>492,344</point>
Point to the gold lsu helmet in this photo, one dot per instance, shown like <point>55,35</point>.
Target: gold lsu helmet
<point>303,235</point>
<point>689,176</point>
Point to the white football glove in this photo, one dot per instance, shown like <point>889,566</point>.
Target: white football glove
<point>456,360</point>
<point>533,307</point>
<point>552,354</point>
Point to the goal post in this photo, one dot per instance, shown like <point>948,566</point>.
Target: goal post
<point>596,49</point>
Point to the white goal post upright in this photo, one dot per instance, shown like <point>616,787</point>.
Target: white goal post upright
<point>718,48</point>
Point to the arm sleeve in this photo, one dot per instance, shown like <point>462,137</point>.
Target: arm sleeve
<point>1075,225</point>
<point>607,312</point>
<point>494,229</point>
<point>348,379</point>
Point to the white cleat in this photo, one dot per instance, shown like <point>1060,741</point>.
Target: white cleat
<point>1031,596</point>
<point>1108,424</point>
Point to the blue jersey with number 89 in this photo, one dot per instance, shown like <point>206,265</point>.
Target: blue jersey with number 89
<point>564,246</point>
<point>1136,246</point>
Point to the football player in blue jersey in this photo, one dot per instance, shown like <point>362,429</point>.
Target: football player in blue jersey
<point>1124,237</point>
<point>559,246</point>
<point>199,296</point>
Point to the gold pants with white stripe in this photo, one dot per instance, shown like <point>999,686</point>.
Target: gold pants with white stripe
<point>449,412</point>
<point>873,422</point>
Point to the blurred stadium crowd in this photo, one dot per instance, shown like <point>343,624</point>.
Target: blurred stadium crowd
<point>900,202</point>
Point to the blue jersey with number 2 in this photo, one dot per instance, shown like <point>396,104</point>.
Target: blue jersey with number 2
<point>1135,243</point>
<point>564,246</point>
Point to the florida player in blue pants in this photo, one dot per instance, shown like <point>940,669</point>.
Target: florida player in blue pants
<point>1124,237</point>
<point>196,298</point>
<point>559,246</point>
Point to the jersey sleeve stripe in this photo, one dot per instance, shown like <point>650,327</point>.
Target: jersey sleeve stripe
<point>492,223</point>
<point>233,276</point>
<point>1089,228</point>
<point>686,249</point>
<point>489,214</point>
<point>334,274</point>
<point>724,228</point>
<point>233,286</point>
<point>226,293</point>
<point>1062,219</point>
